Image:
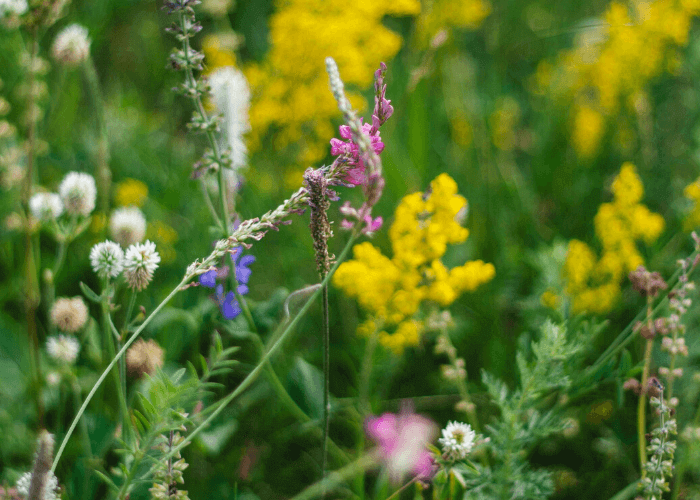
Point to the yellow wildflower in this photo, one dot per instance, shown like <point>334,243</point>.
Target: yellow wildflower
<point>692,192</point>
<point>131,192</point>
<point>638,40</point>
<point>392,290</point>
<point>444,14</point>
<point>290,87</point>
<point>593,284</point>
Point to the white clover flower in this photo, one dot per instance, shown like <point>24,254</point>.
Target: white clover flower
<point>16,7</point>
<point>78,192</point>
<point>71,46</point>
<point>107,259</point>
<point>63,348</point>
<point>46,206</point>
<point>127,226</point>
<point>140,262</point>
<point>457,440</point>
<point>231,97</point>
<point>69,315</point>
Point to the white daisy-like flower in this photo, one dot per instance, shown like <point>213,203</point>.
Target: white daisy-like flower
<point>63,348</point>
<point>457,440</point>
<point>78,192</point>
<point>46,206</point>
<point>16,7</point>
<point>71,46</point>
<point>140,262</point>
<point>231,96</point>
<point>127,226</point>
<point>107,259</point>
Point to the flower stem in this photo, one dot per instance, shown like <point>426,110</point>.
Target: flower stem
<point>335,478</point>
<point>326,378</point>
<point>641,407</point>
<point>109,369</point>
<point>250,378</point>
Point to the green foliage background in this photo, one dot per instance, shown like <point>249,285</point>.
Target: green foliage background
<point>523,205</point>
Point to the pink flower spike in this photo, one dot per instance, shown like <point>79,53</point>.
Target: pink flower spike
<point>372,225</point>
<point>345,132</point>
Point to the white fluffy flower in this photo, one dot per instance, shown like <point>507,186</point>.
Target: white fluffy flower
<point>71,46</point>
<point>69,315</point>
<point>63,348</point>
<point>78,192</point>
<point>457,440</point>
<point>139,264</point>
<point>107,259</point>
<point>17,7</point>
<point>127,226</point>
<point>50,486</point>
<point>231,96</point>
<point>46,206</point>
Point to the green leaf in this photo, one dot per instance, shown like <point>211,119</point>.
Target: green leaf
<point>107,480</point>
<point>215,439</point>
<point>89,294</point>
<point>306,387</point>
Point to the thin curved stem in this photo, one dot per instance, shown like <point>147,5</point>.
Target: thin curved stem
<point>109,368</point>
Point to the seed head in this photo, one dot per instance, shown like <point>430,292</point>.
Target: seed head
<point>69,315</point>
<point>46,206</point>
<point>71,46</point>
<point>143,357</point>
<point>127,226</point>
<point>78,192</point>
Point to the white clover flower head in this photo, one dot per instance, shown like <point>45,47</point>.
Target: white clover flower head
<point>71,46</point>
<point>63,348</point>
<point>140,262</point>
<point>50,486</point>
<point>16,7</point>
<point>46,206</point>
<point>107,259</point>
<point>457,440</point>
<point>69,315</point>
<point>231,96</point>
<point>78,192</point>
<point>127,226</point>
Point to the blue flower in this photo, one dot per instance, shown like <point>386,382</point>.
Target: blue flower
<point>230,308</point>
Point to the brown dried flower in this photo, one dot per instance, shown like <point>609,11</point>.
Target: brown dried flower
<point>143,357</point>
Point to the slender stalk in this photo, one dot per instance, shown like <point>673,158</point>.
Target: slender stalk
<point>641,406</point>
<point>326,378</point>
<point>109,332</point>
<point>31,289</point>
<point>109,369</point>
<point>462,387</point>
<point>273,348</point>
<point>102,171</point>
<point>337,477</point>
<point>224,220</point>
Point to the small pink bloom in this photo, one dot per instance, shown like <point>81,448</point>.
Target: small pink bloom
<point>402,440</point>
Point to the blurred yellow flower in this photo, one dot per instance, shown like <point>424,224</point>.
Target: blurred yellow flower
<point>131,192</point>
<point>391,290</point>
<point>609,64</point>
<point>692,192</point>
<point>290,87</point>
<point>444,14</point>
<point>594,284</point>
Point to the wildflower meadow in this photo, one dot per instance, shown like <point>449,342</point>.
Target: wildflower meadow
<point>370,250</point>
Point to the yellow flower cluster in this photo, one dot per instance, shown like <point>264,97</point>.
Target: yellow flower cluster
<point>392,290</point>
<point>612,65</point>
<point>444,14</point>
<point>290,87</point>
<point>594,284</point>
<point>692,192</point>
